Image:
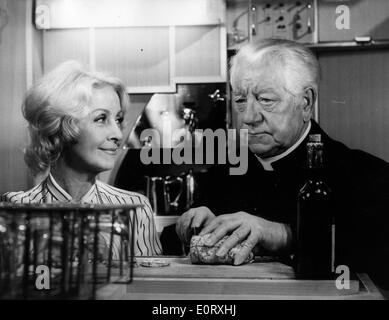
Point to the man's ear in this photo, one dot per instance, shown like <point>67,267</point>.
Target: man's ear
<point>309,103</point>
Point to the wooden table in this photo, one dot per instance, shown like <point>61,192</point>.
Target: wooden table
<point>262,279</point>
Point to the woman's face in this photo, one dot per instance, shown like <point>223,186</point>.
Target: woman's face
<point>100,134</point>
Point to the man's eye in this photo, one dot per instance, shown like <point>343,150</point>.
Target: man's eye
<point>266,100</point>
<point>240,99</point>
<point>263,100</point>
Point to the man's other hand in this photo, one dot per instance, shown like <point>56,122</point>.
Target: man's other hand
<point>193,218</point>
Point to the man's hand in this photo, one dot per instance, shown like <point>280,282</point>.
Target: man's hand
<point>246,229</point>
<point>193,218</point>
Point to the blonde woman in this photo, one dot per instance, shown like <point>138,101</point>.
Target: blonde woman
<point>75,122</point>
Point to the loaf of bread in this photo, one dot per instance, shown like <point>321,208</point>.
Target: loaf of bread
<point>202,254</point>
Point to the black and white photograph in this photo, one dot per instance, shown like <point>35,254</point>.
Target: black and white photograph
<point>194,154</point>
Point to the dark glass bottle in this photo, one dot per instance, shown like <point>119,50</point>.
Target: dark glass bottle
<point>315,244</point>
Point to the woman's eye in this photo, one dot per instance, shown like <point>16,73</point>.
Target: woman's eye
<point>119,120</point>
<point>101,119</point>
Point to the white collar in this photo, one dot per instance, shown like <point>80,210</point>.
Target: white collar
<point>267,163</point>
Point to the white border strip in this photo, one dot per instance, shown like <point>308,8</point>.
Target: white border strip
<point>152,89</point>
<point>223,52</point>
<point>29,45</point>
<point>199,79</point>
<point>315,39</point>
<point>92,48</point>
<point>316,22</point>
<point>172,54</point>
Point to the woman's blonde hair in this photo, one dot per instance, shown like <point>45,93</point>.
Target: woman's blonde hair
<point>54,104</point>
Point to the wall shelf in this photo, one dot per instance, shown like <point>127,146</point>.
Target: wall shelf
<point>337,46</point>
<point>349,45</point>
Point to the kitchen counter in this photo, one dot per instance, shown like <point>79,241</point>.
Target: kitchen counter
<point>262,279</point>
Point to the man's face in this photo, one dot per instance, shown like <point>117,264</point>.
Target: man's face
<point>100,134</point>
<point>272,114</point>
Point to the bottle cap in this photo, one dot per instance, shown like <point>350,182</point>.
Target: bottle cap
<point>314,138</point>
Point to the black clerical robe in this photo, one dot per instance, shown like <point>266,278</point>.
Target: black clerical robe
<point>360,193</point>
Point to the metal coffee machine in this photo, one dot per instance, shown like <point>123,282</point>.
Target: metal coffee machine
<point>171,195</point>
<point>172,188</point>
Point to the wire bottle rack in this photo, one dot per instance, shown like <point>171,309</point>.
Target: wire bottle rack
<point>65,251</point>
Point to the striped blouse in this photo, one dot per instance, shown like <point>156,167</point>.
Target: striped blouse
<point>147,242</point>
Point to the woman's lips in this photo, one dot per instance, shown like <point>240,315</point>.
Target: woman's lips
<point>110,151</point>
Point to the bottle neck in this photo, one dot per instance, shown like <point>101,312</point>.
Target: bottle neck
<point>315,161</point>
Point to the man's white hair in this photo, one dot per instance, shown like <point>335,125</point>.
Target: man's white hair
<point>300,66</point>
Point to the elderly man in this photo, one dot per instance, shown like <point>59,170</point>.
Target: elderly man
<point>274,85</point>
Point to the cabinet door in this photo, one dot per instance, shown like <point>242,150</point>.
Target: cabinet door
<point>139,56</point>
<point>200,54</point>
<point>60,45</point>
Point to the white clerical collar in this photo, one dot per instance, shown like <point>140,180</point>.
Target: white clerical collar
<point>267,163</point>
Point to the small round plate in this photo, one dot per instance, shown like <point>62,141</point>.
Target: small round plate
<point>154,263</point>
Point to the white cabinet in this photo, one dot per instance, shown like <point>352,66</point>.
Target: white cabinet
<point>151,45</point>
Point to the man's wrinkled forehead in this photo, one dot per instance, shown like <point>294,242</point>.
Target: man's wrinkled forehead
<point>259,76</point>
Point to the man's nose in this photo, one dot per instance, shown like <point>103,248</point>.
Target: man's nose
<point>252,113</point>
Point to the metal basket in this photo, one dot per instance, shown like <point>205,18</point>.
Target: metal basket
<point>64,251</point>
